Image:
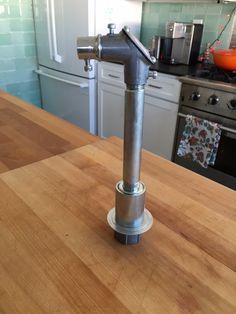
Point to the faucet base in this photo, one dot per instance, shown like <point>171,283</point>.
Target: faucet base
<point>129,235</point>
<point>127,239</point>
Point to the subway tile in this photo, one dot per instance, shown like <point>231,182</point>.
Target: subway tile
<point>17,50</point>
<point>23,87</point>
<point>188,8</point>
<point>29,38</point>
<point>4,26</point>
<point>2,85</point>
<point>25,25</point>
<point>17,38</point>
<point>200,9</point>
<point>147,34</point>
<point>30,51</point>
<point>208,37</point>
<point>227,8</point>
<point>6,52</point>
<point>26,10</point>
<point>153,20</point>
<point>174,16</point>
<point>7,65</point>
<point>199,17</point>
<point>25,63</point>
<point>175,7</point>
<point>211,23</point>
<point>186,17</point>
<point>213,9</point>
<point>26,38</point>
<point>5,39</point>
<point>31,96</point>
<point>20,76</point>
<point>14,11</point>
<point>2,81</point>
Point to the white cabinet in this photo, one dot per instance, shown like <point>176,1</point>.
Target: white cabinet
<point>159,126</point>
<point>111,89</point>
<point>110,110</point>
<point>160,108</point>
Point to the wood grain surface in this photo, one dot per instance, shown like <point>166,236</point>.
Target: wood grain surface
<point>29,134</point>
<point>58,254</point>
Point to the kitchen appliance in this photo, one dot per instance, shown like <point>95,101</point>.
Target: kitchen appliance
<point>186,39</point>
<point>67,91</point>
<point>233,36</point>
<point>192,43</point>
<point>175,29</point>
<point>129,219</point>
<point>225,59</point>
<point>170,51</point>
<point>211,95</point>
<point>155,46</point>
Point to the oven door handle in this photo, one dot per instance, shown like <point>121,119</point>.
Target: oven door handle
<point>224,128</point>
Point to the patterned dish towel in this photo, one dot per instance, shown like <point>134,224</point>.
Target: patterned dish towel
<point>200,141</point>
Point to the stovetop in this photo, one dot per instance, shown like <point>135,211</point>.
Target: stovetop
<point>209,76</point>
<point>211,72</point>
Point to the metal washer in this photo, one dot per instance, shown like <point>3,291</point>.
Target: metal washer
<point>146,225</point>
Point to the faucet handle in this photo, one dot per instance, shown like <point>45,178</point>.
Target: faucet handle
<point>153,74</point>
<point>111,27</point>
<point>88,66</point>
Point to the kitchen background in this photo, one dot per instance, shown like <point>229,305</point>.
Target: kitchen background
<point>214,16</point>
<point>17,38</point>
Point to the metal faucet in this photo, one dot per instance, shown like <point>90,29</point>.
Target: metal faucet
<point>129,218</point>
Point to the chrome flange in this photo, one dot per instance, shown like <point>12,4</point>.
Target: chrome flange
<point>129,217</point>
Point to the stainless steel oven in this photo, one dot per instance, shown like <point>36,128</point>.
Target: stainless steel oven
<point>214,102</point>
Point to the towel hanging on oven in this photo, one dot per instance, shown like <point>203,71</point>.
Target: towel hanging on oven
<point>200,141</point>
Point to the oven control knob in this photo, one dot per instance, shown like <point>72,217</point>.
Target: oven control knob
<point>232,104</point>
<point>195,96</point>
<point>213,100</point>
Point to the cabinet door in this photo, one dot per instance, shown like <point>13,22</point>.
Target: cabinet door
<point>110,110</point>
<point>159,126</point>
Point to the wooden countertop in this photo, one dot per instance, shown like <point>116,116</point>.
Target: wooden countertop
<point>29,134</point>
<point>58,254</point>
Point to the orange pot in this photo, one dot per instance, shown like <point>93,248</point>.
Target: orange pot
<point>225,59</point>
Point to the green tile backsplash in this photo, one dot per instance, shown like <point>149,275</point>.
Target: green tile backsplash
<point>214,16</point>
<point>17,50</point>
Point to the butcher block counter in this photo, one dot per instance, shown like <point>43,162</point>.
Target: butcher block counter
<point>58,254</point>
<point>29,134</point>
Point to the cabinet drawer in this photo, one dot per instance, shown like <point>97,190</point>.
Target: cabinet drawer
<point>111,73</point>
<point>164,86</point>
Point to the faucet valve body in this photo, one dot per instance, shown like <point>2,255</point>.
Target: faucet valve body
<point>129,219</point>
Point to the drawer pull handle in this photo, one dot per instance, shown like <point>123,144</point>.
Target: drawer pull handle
<point>154,86</point>
<point>113,76</point>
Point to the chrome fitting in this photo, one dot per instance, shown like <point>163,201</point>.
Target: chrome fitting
<point>129,219</point>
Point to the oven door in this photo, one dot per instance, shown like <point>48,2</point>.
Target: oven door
<point>224,170</point>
